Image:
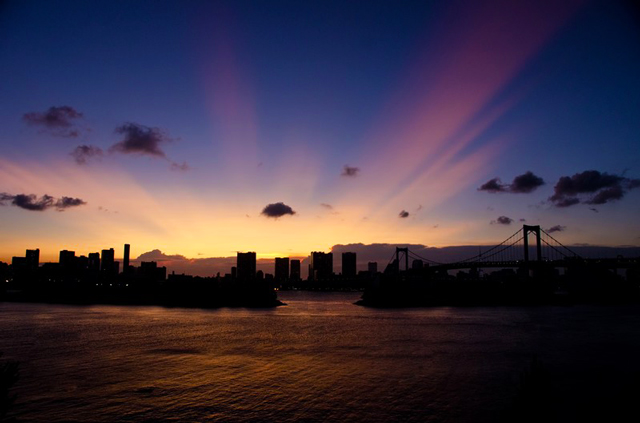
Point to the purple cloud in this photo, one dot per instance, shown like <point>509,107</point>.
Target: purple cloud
<point>591,187</point>
<point>350,171</point>
<point>58,121</point>
<point>33,203</point>
<point>522,184</point>
<point>83,153</point>
<point>502,220</point>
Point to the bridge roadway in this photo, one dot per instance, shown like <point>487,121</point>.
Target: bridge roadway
<point>611,263</point>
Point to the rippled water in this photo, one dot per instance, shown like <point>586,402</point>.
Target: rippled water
<point>319,358</point>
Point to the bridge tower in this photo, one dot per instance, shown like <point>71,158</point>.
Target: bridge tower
<point>526,230</point>
<point>406,257</point>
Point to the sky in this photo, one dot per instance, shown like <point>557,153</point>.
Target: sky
<point>195,129</point>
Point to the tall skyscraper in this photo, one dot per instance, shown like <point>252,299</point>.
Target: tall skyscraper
<point>295,270</point>
<point>321,266</point>
<point>246,264</point>
<point>373,267</point>
<point>281,270</point>
<point>349,267</point>
<point>125,263</point>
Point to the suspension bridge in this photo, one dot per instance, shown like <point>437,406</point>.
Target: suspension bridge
<point>517,251</point>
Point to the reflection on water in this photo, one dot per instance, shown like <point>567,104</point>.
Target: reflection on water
<point>318,359</point>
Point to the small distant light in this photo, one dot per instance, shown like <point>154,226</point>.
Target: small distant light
<point>127,284</point>
<point>96,284</point>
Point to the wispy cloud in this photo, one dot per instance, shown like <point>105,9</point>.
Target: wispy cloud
<point>502,220</point>
<point>350,171</point>
<point>556,228</point>
<point>83,153</point>
<point>58,121</point>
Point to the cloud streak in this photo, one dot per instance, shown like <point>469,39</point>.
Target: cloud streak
<point>33,203</point>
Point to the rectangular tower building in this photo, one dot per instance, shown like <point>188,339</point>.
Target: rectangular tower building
<point>281,271</point>
<point>349,267</point>
<point>295,270</point>
<point>321,266</point>
<point>246,264</point>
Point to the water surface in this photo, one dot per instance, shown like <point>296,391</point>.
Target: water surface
<point>320,358</point>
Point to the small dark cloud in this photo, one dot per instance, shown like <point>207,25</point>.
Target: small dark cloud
<point>350,171</point>
<point>522,220</point>
<point>140,139</point>
<point>33,203</point>
<point>58,121</point>
<point>502,220</point>
<point>557,228</point>
<point>326,206</point>
<point>82,153</point>
<point>403,214</point>
<point>493,185</point>
<point>525,183</point>
<point>593,209</point>
<point>522,184</point>
<point>277,210</point>
<point>591,187</point>
<point>419,208</point>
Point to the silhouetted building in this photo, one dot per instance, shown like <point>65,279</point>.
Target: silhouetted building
<point>234,272</point>
<point>150,271</point>
<point>349,268</point>
<point>321,266</point>
<point>417,264</point>
<point>246,264</point>
<point>295,270</point>
<point>125,261</point>
<point>33,259</point>
<point>93,263</point>
<point>19,262</point>
<point>373,267</point>
<point>67,259</point>
<point>107,261</point>
<point>281,268</point>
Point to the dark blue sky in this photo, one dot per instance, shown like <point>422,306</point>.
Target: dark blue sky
<point>191,117</point>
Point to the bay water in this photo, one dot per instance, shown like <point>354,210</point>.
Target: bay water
<point>321,358</point>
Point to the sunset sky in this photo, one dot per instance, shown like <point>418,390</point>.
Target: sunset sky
<point>181,125</point>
